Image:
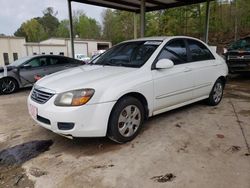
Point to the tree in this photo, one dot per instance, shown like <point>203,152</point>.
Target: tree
<point>117,25</point>
<point>63,29</point>
<point>109,21</point>
<point>86,27</point>
<point>49,22</point>
<point>33,31</point>
<point>39,28</point>
<point>20,32</point>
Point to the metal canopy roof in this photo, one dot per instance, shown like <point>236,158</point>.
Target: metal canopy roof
<point>138,6</point>
<point>134,5</point>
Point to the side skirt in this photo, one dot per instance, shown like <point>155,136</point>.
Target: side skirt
<point>179,105</point>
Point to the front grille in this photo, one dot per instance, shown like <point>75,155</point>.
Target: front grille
<point>40,96</point>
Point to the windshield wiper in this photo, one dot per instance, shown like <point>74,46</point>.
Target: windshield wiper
<point>128,65</point>
<point>118,64</point>
<point>105,63</point>
<point>108,63</point>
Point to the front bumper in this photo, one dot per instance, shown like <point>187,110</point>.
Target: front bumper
<point>88,120</point>
<point>238,66</point>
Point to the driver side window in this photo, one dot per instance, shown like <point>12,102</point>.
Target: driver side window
<point>37,62</point>
<point>176,51</point>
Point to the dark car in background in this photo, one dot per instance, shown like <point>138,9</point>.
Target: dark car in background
<point>24,71</point>
<point>238,56</point>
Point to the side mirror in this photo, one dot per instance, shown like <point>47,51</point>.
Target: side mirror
<point>164,64</point>
<point>16,70</point>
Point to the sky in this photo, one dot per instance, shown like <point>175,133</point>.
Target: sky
<point>14,12</point>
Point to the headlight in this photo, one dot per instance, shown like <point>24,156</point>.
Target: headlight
<point>74,98</point>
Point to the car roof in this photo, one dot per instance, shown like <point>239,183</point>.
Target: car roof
<point>161,38</point>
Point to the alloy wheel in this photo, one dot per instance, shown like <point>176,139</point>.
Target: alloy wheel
<point>8,86</point>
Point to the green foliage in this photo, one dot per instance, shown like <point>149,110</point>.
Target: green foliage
<point>48,26</point>
<point>63,29</point>
<point>39,28</point>
<point>86,27</point>
<point>20,32</point>
<point>243,12</point>
<point>109,23</point>
<point>117,25</point>
<point>49,22</point>
<point>227,21</point>
<point>33,30</point>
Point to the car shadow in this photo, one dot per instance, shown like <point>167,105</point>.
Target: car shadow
<point>93,146</point>
<point>83,146</point>
<point>172,113</point>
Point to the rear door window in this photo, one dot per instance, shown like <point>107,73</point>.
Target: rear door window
<point>74,61</point>
<point>59,61</point>
<point>198,51</point>
<point>54,61</point>
<point>63,61</point>
<point>176,51</point>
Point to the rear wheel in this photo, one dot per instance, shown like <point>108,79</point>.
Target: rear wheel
<point>8,85</point>
<point>216,93</point>
<point>126,120</point>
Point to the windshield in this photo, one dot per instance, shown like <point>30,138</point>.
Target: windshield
<point>20,61</point>
<point>129,54</point>
<point>243,44</point>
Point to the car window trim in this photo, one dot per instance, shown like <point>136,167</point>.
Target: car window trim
<point>32,68</point>
<point>171,40</point>
<point>21,66</point>
<point>50,58</point>
<point>191,59</point>
<point>62,59</point>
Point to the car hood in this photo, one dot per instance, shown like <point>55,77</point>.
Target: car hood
<point>85,76</point>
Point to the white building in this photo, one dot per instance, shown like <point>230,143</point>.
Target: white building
<point>12,48</point>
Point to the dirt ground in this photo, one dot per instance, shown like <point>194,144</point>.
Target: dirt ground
<point>194,146</point>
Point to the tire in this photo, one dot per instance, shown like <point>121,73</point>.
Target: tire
<point>126,120</point>
<point>8,85</point>
<point>216,93</point>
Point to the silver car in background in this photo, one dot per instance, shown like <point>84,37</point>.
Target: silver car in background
<point>24,71</point>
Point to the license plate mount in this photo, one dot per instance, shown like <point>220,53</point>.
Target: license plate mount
<point>33,111</point>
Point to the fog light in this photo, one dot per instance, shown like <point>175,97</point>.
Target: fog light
<point>65,126</point>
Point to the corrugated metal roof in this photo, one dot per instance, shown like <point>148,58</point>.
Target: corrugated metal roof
<point>134,5</point>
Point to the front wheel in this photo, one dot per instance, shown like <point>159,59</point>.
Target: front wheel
<point>216,93</point>
<point>126,120</point>
<point>8,85</point>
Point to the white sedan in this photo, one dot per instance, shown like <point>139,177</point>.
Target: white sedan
<point>130,82</point>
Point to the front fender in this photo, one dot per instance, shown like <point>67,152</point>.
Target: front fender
<point>115,93</point>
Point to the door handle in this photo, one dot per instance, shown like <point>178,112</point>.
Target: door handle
<point>187,69</point>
